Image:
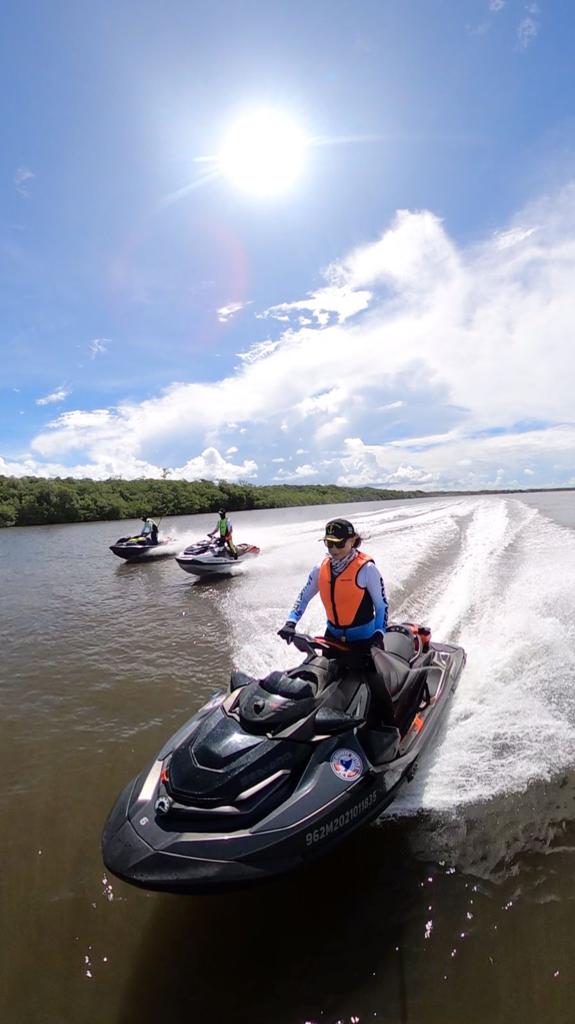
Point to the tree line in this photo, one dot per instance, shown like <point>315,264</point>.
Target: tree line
<point>35,501</point>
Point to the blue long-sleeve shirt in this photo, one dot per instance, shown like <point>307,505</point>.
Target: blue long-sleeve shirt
<point>369,577</point>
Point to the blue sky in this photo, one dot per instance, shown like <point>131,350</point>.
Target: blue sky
<point>402,315</point>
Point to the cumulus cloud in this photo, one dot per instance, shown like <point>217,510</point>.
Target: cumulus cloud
<point>210,465</point>
<point>474,462</point>
<point>330,429</point>
<point>459,357</point>
<point>305,472</point>
<point>56,396</point>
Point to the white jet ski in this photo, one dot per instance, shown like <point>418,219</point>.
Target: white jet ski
<point>211,558</point>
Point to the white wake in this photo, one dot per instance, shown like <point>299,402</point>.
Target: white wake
<point>490,574</point>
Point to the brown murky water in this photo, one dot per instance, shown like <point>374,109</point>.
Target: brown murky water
<point>458,907</point>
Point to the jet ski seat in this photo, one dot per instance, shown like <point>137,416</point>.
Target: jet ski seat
<point>399,643</point>
<point>392,669</point>
<point>283,685</point>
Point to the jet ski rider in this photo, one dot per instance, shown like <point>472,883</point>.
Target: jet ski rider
<point>224,530</point>
<point>149,530</point>
<point>353,594</point>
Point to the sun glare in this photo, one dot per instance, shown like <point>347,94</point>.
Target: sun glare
<point>263,153</point>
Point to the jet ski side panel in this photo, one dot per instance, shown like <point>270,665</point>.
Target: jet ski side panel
<point>142,854</point>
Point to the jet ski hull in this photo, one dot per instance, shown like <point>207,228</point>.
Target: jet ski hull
<point>140,552</point>
<point>200,863</point>
<point>212,563</point>
<point>210,852</point>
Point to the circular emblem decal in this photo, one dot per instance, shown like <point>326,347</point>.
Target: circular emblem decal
<point>346,764</point>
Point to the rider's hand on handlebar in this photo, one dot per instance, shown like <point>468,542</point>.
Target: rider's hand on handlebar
<point>287,631</point>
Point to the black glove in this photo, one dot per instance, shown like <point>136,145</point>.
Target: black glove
<point>287,631</point>
<point>377,641</point>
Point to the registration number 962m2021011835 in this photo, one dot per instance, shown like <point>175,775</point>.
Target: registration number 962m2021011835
<point>340,821</point>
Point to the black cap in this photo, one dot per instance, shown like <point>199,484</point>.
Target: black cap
<point>338,530</point>
<point>222,512</point>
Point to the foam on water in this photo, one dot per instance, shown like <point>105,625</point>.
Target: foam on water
<point>488,573</point>
<point>509,602</point>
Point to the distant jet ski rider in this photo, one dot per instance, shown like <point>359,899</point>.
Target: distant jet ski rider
<point>223,531</point>
<point>149,530</point>
<point>353,594</point>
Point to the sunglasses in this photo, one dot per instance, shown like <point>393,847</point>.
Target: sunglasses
<point>339,544</point>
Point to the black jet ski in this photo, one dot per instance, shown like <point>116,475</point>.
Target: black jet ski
<point>134,549</point>
<point>278,770</point>
<point>212,558</point>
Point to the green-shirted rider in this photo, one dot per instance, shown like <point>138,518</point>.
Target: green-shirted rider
<point>223,531</point>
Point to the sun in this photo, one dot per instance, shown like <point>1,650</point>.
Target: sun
<point>263,153</point>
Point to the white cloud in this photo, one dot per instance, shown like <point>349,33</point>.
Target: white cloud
<point>324,402</point>
<point>408,256</point>
<point>259,351</point>
<point>56,396</point>
<point>22,175</point>
<point>225,313</point>
<point>471,460</point>
<point>496,5</point>
<point>456,342</point>
<point>210,465</point>
<point>330,429</point>
<point>304,472</point>
<point>506,239</point>
<point>232,450</point>
<point>341,300</point>
<point>98,346</point>
<point>528,27</point>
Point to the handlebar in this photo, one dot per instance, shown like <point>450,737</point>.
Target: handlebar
<point>310,644</point>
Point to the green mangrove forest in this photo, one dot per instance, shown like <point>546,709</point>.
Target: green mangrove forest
<point>35,501</point>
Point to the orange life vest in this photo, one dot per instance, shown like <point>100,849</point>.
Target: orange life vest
<point>346,603</point>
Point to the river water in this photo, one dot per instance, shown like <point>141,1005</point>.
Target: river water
<point>456,908</point>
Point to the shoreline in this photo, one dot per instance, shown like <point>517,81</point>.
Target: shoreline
<point>57,501</point>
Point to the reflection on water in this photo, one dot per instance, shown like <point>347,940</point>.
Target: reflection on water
<point>361,936</point>
<point>456,907</point>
